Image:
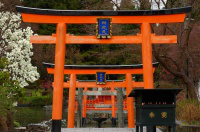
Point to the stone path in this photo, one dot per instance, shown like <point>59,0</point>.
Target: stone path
<point>103,130</point>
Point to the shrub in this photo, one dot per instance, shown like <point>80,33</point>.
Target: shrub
<point>16,124</point>
<point>9,93</point>
<point>188,111</point>
<point>38,101</point>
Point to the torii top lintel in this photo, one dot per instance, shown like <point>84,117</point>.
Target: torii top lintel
<point>92,69</point>
<point>36,15</point>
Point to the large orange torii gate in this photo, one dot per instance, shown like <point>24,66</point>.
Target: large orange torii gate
<point>63,17</point>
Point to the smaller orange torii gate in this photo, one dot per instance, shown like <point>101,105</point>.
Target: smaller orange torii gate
<point>63,17</point>
<point>101,103</point>
<point>129,84</point>
<point>107,97</point>
<point>103,100</point>
<point>106,100</point>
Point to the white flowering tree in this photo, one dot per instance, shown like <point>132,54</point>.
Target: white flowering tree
<point>16,47</point>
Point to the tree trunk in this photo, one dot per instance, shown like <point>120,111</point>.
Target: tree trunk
<point>180,74</point>
<point>190,86</point>
<point>198,90</point>
<point>180,69</point>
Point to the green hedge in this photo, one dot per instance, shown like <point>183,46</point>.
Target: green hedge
<point>36,100</point>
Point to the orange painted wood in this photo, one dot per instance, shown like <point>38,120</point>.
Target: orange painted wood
<point>94,40</point>
<point>108,84</point>
<point>94,84</point>
<point>130,107</point>
<point>35,18</point>
<point>138,84</point>
<point>147,56</point>
<point>113,103</point>
<point>93,71</point>
<point>71,104</point>
<point>43,39</point>
<point>59,72</point>
<point>166,39</point>
<point>114,40</point>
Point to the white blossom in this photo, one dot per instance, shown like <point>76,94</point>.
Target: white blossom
<point>16,47</point>
<point>155,4</point>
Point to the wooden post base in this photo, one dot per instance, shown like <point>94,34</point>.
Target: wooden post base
<point>56,126</point>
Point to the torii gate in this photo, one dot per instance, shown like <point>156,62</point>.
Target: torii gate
<point>109,69</point>
<point>63,17</point>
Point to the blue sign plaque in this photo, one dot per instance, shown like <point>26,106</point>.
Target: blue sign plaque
<point>101,78</point>
<point>103,28</point>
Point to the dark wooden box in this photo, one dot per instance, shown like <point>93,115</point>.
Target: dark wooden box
<point>155,107</point>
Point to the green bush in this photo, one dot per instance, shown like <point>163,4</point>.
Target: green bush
<point>188,111</point>
<point>9,93</point>
<point>38,101</point>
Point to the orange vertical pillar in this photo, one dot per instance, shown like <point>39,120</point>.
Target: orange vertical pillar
<point>58,77</point>
<point>113,108</point>
<point>84,108</point>
<point>147,56</point>
<point>147,60</point>
<point>130,107</point>
<point>71,105</point>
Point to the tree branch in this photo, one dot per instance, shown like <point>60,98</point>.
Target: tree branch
<point>116,4</point>
<point>166,66</point>
<point>165,4</point>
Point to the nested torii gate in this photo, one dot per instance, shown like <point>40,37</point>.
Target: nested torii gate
<point>64,17</point>
<point>127,70</point>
